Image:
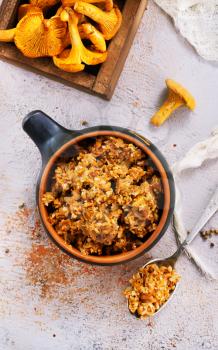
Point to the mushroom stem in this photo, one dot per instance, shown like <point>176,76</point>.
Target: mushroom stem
<point>169,106</point>
<point>177,96</point>
<point>79,53</point>
<point>7,35</point>
<point>88,31</point>
<point>26,9</point>
<point>109,22</point>
<point>108,3</point>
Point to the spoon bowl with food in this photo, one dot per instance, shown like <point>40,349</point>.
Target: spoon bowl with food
<point>153,286</point>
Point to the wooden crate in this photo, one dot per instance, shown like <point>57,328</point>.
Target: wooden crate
<point>99,80</point>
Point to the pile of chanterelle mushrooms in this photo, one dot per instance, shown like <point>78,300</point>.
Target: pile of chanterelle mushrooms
<point>64,36</point>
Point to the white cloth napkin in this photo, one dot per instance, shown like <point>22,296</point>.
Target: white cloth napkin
<point>197,21</point>
<point>194,158</point>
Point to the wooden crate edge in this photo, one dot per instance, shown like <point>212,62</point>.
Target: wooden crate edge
<point>107,88</point>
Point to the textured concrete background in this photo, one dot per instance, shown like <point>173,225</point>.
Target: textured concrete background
<point>47,300</point>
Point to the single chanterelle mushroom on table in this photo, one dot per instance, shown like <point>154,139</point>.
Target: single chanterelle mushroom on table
<point>88,31</point>
<point>78,54</point>
<point>108,4</point>
<point>177,96</point>
<point>39,37</point>
<point>109,22</point>
<point>44,3</point>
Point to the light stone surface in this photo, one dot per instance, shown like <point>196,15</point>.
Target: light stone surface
<point>83,306</point>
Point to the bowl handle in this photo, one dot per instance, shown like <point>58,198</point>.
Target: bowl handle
<point>47,134</point>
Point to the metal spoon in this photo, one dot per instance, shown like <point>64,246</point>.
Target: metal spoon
<point>210,210</point>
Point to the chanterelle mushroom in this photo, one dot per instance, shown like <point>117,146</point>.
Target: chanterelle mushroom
<point>79,54</point>
<point>44,3</point>
<point>109,22</point>
<point>26,9</point>
<point>88,31</point>
<point>39,37</point>
<point>107,3</point>
<point>178,96</point>
<point>7,35</point>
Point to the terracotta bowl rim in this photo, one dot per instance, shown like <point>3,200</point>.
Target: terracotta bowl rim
<point>122,257</point>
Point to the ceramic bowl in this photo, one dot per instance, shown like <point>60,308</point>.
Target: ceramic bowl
<point>55,142</point>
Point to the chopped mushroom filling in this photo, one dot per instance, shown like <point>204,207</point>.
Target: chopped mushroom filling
<point>150,288</point>
<point>105,200</point>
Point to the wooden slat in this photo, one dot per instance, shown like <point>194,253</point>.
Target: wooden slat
<point>7,13</point>
<point>119,47</point>
<point>46,67</point>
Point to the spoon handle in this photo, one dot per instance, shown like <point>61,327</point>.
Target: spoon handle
<point>210,210</point>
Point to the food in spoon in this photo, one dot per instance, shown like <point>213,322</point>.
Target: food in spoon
<point>105,200</point>
<point>150,288</point>
<point>178,96</point>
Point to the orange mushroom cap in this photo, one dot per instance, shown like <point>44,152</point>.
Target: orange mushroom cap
<point>108,4</point>
<point>44,3</point>
<point>39,37</point>
<point>8,35</point>
<point>26,9</point>
<point>88,31</point>
<point>109,22</point>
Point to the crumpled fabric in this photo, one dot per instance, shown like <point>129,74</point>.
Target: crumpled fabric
<point>194,158</point>
<point>197,21</point>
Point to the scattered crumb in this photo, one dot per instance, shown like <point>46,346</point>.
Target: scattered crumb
<point>136,103</point>
<point>54,335</point>
<point>150,323</point>
<point>202,234</point>
<point>174,145</point>
<point>212,245</point>
<point>206,234</point>
<point>7,251</point>
<point>84,123</point>
<point>21,206</point>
